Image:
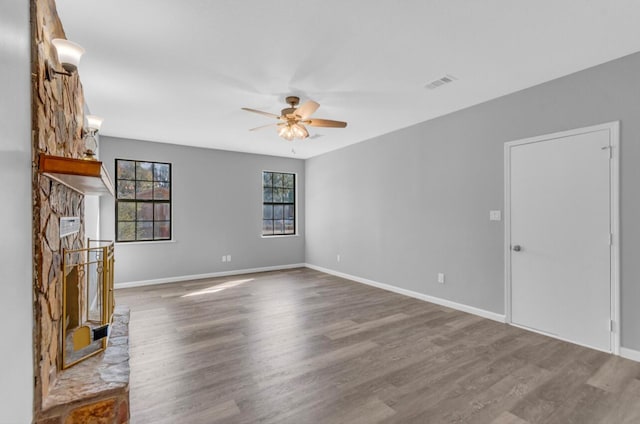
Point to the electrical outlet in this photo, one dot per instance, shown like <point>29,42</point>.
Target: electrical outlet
<point>224,258</point>
<point>228,258</point>
<point>495,215</point>
<point>441,278</point>
<point>338,258</point>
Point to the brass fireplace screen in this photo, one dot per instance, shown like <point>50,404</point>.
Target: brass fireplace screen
<point>87,300</point>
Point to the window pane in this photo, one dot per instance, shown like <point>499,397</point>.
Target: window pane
<point>126,190</point>
<point>289,227</point>
<point>277,180</point>
<point>278,227</point>
<point>287,195</point>
<point>144,190</point>
<point>144,171</point>
<point>144,211</point>
<point>126,231</point>
<point>162,212</point>
<point>126,170</point>
<point>267,212</point>
<point>266,179</point>
<point>144,230</point>
<point>162,231</point>
<point>161,191</point>
<point>267,195</point>
<point>289,212</point>
<point>278,212</point>
<point>277,195</point>
<point>287,180</point>
<point>267,227</point>
<point>126,211</point>
<point>161,172</point>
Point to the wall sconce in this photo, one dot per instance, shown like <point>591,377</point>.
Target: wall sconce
<point>69,54</point>
<point>90,142</point>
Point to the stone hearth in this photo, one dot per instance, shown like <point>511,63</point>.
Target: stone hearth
<point>95,390</point>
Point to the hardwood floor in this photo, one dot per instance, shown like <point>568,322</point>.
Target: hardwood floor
<point>300,346</point>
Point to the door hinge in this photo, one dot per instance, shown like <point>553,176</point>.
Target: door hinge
<point>610,239</point>
<point>611,326</point>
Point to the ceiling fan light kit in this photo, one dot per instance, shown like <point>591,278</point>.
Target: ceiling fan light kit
<point>293,119</point>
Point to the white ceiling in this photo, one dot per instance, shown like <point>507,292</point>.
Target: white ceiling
<point>179,71</point>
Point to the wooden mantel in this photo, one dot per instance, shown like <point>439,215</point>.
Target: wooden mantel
<point>83,176</point>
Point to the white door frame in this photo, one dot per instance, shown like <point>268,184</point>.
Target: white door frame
<point>614,179</point>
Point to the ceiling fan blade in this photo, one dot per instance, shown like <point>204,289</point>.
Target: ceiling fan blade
<point>264,126</point>
<point>307,109</point>
<point>325,123</point>
<point>271,115</point>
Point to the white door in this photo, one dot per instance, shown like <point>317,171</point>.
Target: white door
<point>560,220</point>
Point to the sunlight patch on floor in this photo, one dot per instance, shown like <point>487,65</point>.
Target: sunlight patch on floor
<point>217,288</point>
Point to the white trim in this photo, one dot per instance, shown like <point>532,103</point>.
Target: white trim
<point>177,279</point>
<point>614,172</point>
<point>438,301</point>
<point>614,181</point>
<point>634,355</point>
<point>555,336</point>
<point>144,242</point>
<point>278,236</point>
<point>507,232</point>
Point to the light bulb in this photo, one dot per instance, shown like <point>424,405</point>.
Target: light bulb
<point>289,135</point>
<point>286,132</point>
<point>300,131</point>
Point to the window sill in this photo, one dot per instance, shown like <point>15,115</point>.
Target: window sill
<point>137,243</point>
<point>279,236</point>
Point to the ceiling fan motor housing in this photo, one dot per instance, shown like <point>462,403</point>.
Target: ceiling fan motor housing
<point>288,111</point>
<point>293,100</point>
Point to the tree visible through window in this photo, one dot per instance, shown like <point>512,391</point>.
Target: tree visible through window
<point>143,201</point>
<point>278,203</point>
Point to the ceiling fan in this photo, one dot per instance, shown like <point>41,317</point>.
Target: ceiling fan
<point>293,119</point>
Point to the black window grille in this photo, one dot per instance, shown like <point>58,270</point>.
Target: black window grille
<point>143,200</point>
<point>278,203</point>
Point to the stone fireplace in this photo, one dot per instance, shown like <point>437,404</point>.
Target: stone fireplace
<point>96,389</point>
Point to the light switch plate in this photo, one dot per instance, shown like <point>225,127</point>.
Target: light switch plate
<point>495,215</point>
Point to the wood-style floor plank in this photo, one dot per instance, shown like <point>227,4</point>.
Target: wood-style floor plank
<point>300,346</point>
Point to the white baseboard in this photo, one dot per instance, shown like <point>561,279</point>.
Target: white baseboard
<point>634,355</point>
<point>177,279</point>
<point>438,301</point>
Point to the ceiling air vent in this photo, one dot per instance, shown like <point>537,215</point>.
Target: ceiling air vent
<point>440,82</point>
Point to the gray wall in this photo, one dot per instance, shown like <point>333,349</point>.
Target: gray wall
<point>217,210</point>
<point>406,205</point>
<point>16,309</point>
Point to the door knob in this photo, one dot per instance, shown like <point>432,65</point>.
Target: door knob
<point>517,248</point>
